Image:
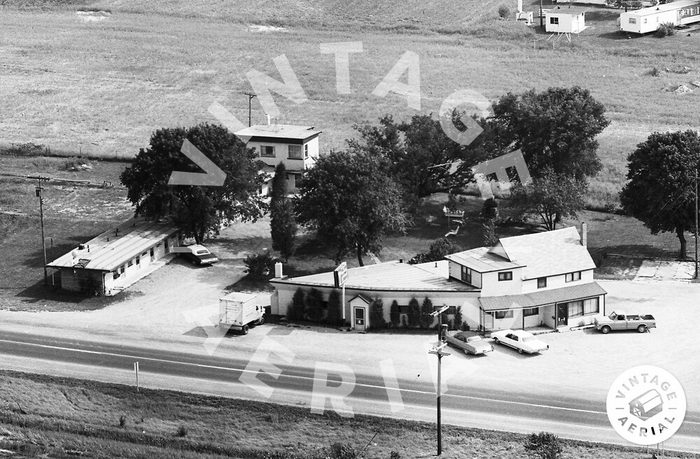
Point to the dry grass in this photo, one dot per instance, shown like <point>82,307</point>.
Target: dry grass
<point>54,416</point>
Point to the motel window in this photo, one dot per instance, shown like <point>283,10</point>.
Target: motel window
<point>152,252</point>
<point>466,275</point>
<point>513,176</point>
<point>571,277</point>
<point>531,312</point>
<point>504,314</point>
<point>130,263</point>
<point>645,20</point>
<point>267,150</point>
<point>121,269</point>
<point>451,310</point>
<point>491,177</point>
<point>138,261</point>
<point>295,152</point>
<point>403,309</point>
<point>554,21</point>
<point>590,306</point>
<point>633,20</point>
<point>306,150</point>
<point>115,274</point>
<point>541,282</point>
<point>576,309</point>
<point>505,276</point>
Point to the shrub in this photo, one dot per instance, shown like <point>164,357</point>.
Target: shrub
<point>314,305</point>
<point>376,314</point>
<point>458,318</point>
<point>335,313</point>
<point>544,445</point>
<point>404,321</point>
<point>296,309</point>
<point>413,313</point>
<point>182,431</point>
<point>122,421</point>
<point>425,318</point>
<point>260,266</point>
<point>437,251</point>
<point>665,30</point>
<point>395,314</point>
<point>488,233</point>
<point>655,72</point>
<point>394,455</point>
<point>343,451</point>
<point>503,12</point>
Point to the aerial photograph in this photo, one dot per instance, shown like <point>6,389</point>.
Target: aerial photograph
<point>324,229</point>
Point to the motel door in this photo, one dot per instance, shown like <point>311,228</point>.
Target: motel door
<point>562,314</point>
<point>360,320</point>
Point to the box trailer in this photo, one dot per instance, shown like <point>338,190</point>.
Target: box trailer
<point>240,311</point>
<point>645,20</point>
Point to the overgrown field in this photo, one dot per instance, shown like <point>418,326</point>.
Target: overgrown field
<point>100,84</point>
<point>60,417</point>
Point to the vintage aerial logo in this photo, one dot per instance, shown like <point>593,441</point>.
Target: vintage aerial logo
<point>646,405</point>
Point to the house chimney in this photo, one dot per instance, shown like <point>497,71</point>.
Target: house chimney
<point>278,270</point>
<point>268,118</point>
<point>520,6</point>
<point>584,234</point>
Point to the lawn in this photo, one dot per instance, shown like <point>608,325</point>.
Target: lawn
<point>60,417</point>
<point>101,87</point>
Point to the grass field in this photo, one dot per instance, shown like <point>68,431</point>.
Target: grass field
<point>101,87</point>
<point>59,417</point>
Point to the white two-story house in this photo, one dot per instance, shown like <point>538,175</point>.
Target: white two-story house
<point>295,146</point>
<point>541,279</point>
<point>536,280</point>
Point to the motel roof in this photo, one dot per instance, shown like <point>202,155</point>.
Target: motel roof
<point>388,276</point>
<point>278,132</point>
<point>651,10</point>
<point>567,11</point>
<point>542,297</point>
<point>116,246</point>
<point>540,254</point>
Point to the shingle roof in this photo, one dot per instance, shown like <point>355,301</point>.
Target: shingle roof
<point>482,260</point>
<point>285,131</point>
<point>542,297</point>
<point>113,248</point>
<point>392,276</point>
<point>548,253</point>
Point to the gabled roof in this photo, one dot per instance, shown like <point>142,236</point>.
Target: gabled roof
<point>389,276</point>
<point>115,247</point>
<point>278,131</point>
<point>540,254</point>
<point>541,298</point>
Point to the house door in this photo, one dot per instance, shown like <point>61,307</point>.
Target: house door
<point>562,314</point>
<point>360,323</point>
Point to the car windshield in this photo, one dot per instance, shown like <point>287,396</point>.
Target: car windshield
<point>202,252</point>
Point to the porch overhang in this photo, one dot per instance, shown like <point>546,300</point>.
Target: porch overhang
<point>541,298</point>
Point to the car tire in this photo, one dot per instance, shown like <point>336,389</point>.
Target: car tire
<point>642,328</point>
<point>495,340</point>
<point>244,330</point>
<point>262,320</point>
<point>605,330</point>
<point>520,351</point>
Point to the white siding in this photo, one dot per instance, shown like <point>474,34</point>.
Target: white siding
<point>558,281</point>
<point>493,287</point>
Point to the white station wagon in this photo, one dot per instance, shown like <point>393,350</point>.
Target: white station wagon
<point>519,340</point>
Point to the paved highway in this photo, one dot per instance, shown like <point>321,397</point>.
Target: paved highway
<point>295,384</point>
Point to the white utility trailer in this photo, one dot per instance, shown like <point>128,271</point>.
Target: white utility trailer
<point>645,20</point>
<point>239,311</point>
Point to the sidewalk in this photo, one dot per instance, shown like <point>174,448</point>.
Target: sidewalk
<point>655,270</point>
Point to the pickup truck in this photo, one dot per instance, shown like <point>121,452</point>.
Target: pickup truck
<point>618,320</point>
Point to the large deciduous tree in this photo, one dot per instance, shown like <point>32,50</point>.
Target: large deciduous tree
<point>551,196</point>
<point>418,155</point>
<point>350,201</point>
<point>660,190</point>
<point>199,210</point>
<point>555,129</point>
<point>283,227</point>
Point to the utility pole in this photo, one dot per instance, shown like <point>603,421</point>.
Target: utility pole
<point>438,350</point>
<point>250,99</point>
<point>39,189</point>
<point>541,16</point>
<point>696,224</point>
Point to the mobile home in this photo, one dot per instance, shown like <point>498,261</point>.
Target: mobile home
<point>645,20</point>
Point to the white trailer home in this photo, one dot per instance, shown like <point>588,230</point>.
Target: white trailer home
<point>647,20</point>
<point>564,20</point>
<point>238,311</point>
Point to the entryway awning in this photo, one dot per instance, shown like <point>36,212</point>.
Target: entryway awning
<point>535,299</point>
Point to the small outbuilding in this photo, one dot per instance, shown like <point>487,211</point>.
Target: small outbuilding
<point>112,261</point>
<point>564,20</point>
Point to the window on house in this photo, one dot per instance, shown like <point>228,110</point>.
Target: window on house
<point>295,152</point>
<point>121,269</point>
<point>512,174</point>
<point>130,263</point>
<point>504,314</point>
<point>452,310</point>
<point>403,309</point>
<point>576,309</point>
<point>466,275</point>
<point>306,150</point>
<point>554,21</point>
<point>267,150</point>
<point>571,277</point>
<point>505,276</point>
<point>531,312</point>
<point>138,261</point>
<point>491,177</point>
<point>633,20</point>
<point>115,274</point>
<point>590,306</point>
<point>541,282</point>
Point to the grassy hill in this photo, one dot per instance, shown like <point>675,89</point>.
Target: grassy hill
<point>100,85</point>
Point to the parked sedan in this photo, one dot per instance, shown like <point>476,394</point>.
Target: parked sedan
<point>519,340</point>
<point>473,345</point>
<point>199,255</point>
